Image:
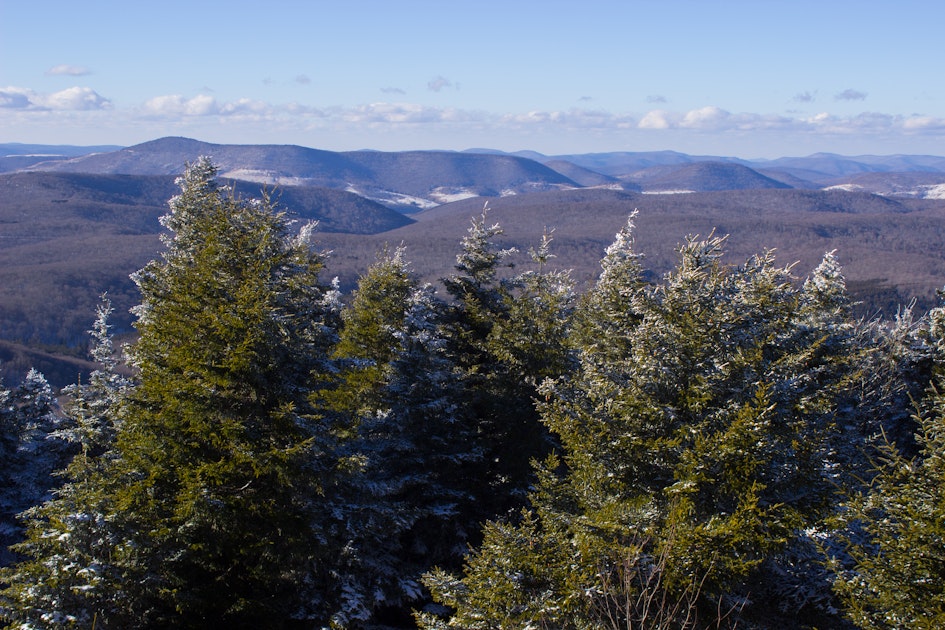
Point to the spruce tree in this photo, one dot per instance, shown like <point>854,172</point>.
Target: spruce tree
<point>895,568</point>
<point>367,343</point>
<point>695,445</point>
<point>507,334</point>
<point>411,504</point>
<point>365,516</point>
<point>31,453</point>
<point>220,460</point>
<point>68,576</point>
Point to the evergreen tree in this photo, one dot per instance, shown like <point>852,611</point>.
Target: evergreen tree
<point>533,340</point>
<point>30,453</point>
<point>507,334</point>
<point>897,523</point>
<point>68,577</point>
<point>410,506</point>
<point>220,462</point>
<point>351,392</point>
<point>692,454</point>
<point>367,343</point>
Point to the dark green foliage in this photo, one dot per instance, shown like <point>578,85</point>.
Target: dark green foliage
<point>203,509</point>
<point>506,335</point>
<point>697,431</point>
<point>897,524</point>
<point>367,342</point>
<point>219,460</point>
<point>412,502</point>
<point>30,452</point>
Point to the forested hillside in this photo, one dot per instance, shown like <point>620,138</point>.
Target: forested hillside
<point>715,444</point>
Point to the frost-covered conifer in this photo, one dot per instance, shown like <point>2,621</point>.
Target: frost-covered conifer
<point>893,575</point>
<point>366,343</point>
<point>31,453</point>
<point>506,335</point>
<point>410,506</point>
<point>68,576</point>
<point>533,341</point>
<point>220,458</point>
<point>693,451</point>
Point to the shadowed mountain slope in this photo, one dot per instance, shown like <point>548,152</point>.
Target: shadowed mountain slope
<point>704,177</point>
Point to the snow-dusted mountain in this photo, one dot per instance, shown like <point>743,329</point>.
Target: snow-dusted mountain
<point>411,181</point>
<point>408,181</point>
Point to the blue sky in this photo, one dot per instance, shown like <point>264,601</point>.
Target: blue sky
<point>760,78</point>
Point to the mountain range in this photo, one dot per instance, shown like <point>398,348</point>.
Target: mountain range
<point>76,221</point>
<point>411,181</point>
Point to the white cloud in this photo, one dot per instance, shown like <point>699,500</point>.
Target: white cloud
<point>922,123</point>
<point>710,117</point>
<point>244,106</point>
<point>68,70</point>
<point>77,99</point>
<point>70,99</point>
<point>173,105</point>
<point>657,119</point>
<point>399,113</point>
<point>15,98</point>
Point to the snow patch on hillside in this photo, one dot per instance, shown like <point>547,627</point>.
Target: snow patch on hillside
<point>847,187</point>
<point>393,200</point>
<point>259,176</point>
<point>934,192</point>
<point>446,194</point>
<point>668,192</point>
<point>896,190</point>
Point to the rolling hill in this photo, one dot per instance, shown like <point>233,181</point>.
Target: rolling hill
<point>703,177</point>
<point>408,181</point>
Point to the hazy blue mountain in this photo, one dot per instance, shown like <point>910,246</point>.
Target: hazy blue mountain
<point>15,156</point>
<point>408,180</point>
<point>704,177</point>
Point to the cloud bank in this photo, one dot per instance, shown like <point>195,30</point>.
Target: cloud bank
<point>176,112</point>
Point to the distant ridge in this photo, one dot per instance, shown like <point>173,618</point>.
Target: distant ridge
<point>587,177</point>
<point>409,181</point>
<point>15,155</point>
<point>703,177</point>
<point>134,202</point>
